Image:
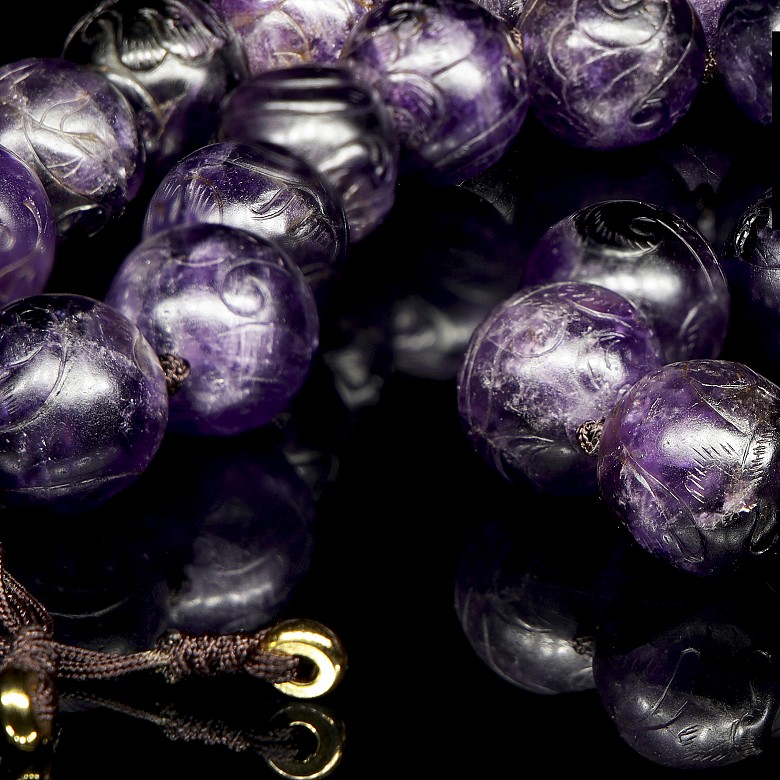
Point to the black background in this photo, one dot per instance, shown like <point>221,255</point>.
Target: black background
<point>405,494</point>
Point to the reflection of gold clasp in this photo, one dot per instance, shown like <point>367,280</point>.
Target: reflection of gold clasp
<point>312,642</point>
<point>328,733</point>
<point>17,715</point>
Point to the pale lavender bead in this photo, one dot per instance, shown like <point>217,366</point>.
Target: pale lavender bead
<point>651,256</point>
<point>83,402</point>
<point>743,53</point>
<point>264,189</point>
<point>334,121</point>
<point>235,308</point>
<point>540,369</point>
<point>174,60</point>
<point>282,33</point>
<point>78,133</point>
<point>688,460</point>
<point>453,78</point>
<point>28,232</point>
<point>605,75</point>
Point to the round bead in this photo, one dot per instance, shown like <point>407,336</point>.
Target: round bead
<point>688,460</point>
<point>28,231</point>
<point>78,133</point>
<point>453,78</point>
<point>543,366</point>
<point>84,405</point>
<point>235,308</point>
<point>174,60</point>
<point>649,255</point>
<point>605,75</point>
<point>291,32</point>
<point>264,189</point>
<point>324,114</point>
<point>743,53</point>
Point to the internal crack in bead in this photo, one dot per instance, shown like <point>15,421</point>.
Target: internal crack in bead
<point>589,436</point>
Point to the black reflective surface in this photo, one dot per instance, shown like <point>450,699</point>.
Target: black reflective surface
<point>398,497</point>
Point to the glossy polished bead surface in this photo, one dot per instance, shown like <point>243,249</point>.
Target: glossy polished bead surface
<point>453,77</point>
<point>28,231</point>
<point>688,461</point>
<point>84,402</point>
<point>743,53</point>
<point>604,75</point>
<point>651,256</point>
<point>279,34</point>
<point>541,365</point>
<point>328,117</point>
<point>235,308</point>
<point>174,60</point>
<point>78,133</point>
<point>261,188</point>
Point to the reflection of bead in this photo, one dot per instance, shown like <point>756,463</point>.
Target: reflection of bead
<point>453,78</point>
<point>78,133</point>
<point>235,307</point>
<point>605,75</point>
<point>83,402</point>
<point>27,230</point>
<point>174,60</point>
<point>332,120</point>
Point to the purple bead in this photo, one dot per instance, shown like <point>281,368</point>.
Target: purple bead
<point>605,75</point>
<point>173,59</point>
<point>743,55</point>
<point>453,78</point>
<point>649,255</point>
<point>508,10</point>
<point>235,308</point>
<point>264,189</point>
<point>28,232</point>
<point>337,123</point>
<point>78,133</point>
<point>709,12</point>
<point>237,544</point>
<point>284,33</point>
<point>688,461</point>
<point>540,370</point>
<point>84,402</point>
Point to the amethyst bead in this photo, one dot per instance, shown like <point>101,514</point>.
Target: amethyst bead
<point>264,189</point>
<point>605,75</point>
<point>174,60</point>
<point>84,402</point>
<point>688,460</point>
<point>78,133</point>
<point>453,78</point>
<point>28,232</point>
<point>280,34</point>
<point>542,369</point>
<point>651,256</point>
<point>508,10</point>
<point>235,308</point>
<point>324,114</point>
<point>743,53</point>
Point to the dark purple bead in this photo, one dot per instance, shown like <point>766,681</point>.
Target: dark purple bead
<point>743,55</point>
<point>264,189</point>
<point>236,545</point>
<point>605,75</point>
<point>281,34</point>
<point>78,133</point>
<point>453,78</point>
<point>324,114</point>
<point>709,12</point>
<point>235,308</point>
<point>28,232</point>
<point>651,256</point>
<point>84,402</point>
<point>540,370</point>
<point>508,10</point>
<point>688,460</point>
<point>174,60</point>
